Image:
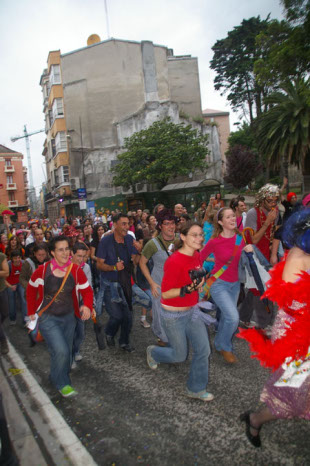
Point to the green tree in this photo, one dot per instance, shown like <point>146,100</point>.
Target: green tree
<point>243,136</point>
<point>233,61</point>
<point>297,11</point>
<point>285,46</point>
<point>283,132</point>
<point>163,151</point>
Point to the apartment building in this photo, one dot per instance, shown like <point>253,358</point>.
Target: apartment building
<point>98,95</point>
<point>13,183</point>
<point>55,145</point>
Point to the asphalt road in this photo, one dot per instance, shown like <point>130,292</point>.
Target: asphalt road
<point>126,414</point>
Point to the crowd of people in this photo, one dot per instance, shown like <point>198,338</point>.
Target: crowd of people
<point>177,268</point>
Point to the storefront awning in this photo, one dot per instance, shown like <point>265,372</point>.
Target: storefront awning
<point>191,185</point>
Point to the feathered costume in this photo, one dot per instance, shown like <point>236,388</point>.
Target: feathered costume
<point>287,353</point>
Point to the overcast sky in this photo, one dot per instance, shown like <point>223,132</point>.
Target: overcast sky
<point>31,28</point>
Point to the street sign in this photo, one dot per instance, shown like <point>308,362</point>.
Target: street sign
<point>82,205</point>
<point>81,192</point>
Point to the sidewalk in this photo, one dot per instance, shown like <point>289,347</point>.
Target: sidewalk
<point>39,434</point>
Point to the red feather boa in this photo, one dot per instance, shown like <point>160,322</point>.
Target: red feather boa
<point>296,341</point>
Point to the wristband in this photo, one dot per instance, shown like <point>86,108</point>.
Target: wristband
<point>115,268</point>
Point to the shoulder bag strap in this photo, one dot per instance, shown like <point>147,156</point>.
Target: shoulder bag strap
<point>163,245</point>
<point>60,289</point>
<point>214,277</point>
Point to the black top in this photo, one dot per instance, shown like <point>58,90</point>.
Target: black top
<point>63,304</point>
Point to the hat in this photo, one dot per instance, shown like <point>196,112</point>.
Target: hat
<point>290,195</point>
<point>306,200</point>
<point>268,190</point>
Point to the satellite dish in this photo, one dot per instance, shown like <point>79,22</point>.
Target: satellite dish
<point>93,39</point>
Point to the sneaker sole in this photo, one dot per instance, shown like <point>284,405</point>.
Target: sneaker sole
<point>69,394</point>
<point>209,398</point>
<point>149,362</point>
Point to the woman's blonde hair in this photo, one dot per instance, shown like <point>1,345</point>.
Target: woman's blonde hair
<point>218,229</point>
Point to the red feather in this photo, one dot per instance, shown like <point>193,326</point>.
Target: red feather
<point>296,341</point>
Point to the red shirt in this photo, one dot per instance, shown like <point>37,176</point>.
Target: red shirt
<point>222,248</point>
<point>13,278</point>
<point>176,275</point>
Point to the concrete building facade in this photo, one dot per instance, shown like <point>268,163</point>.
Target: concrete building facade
<point>110,90</point>
<point>13,183</point>
<point>221,120</point>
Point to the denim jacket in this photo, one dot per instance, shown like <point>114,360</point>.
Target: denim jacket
<point>117,294</point>
<point>244,265</point>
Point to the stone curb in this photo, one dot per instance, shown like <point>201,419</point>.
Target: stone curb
<point>74,450</point>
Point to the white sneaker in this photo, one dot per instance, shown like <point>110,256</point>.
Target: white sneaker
<point>73,365</point>
<point>144,323</point>
<point>78,357</point>
<point>203,396</point>
<point>151,362</point>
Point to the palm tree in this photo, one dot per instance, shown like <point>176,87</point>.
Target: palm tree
<point>283,131</point>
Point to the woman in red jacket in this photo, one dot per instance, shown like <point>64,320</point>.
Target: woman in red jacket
<point>57,323</point>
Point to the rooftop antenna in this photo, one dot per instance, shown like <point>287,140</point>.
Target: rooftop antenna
<point>107,18</point>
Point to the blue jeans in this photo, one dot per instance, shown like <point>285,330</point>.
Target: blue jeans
<point>12,295</point>
<point>179,328</point>
<point>225,295</point>
<point>79,336</point>
<point>58,332</point>
<point>120,317</point>
<point>141,298</point>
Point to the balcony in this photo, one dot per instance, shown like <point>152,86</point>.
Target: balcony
<point>26,185</point>
<point>25,169</point>
<point>11,187</point>
<point>13,203</point>
<point>9,169</point>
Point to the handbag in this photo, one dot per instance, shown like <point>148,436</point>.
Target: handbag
<point>206,287</point>
<point>34,333</point>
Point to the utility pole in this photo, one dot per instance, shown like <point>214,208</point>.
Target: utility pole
<point>32,192</point>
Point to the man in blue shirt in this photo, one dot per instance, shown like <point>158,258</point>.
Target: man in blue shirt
<point>115,256</point>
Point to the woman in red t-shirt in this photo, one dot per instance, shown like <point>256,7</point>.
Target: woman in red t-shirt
<point>178,298</point>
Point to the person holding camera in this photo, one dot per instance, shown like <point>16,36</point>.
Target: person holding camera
<point>179,296</point>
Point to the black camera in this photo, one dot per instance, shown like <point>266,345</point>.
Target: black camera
<point>197,275</point>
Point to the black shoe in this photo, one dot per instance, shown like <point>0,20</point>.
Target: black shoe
<point>254,439</point>
<point>127,348</point>
<point>4,346</point>
<point>110,341</point>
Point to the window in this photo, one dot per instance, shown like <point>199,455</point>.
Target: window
<point>11,197</point>
<point>8,162</point>
<point>51,149</point>
<point>45,90</point>
<point>9,179</point>
<point>50,118</point>
<point>55,75</point>
<point>58,109</point>
<point>61,142</point>
<point>65,173</point>
<point>56,178</point>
